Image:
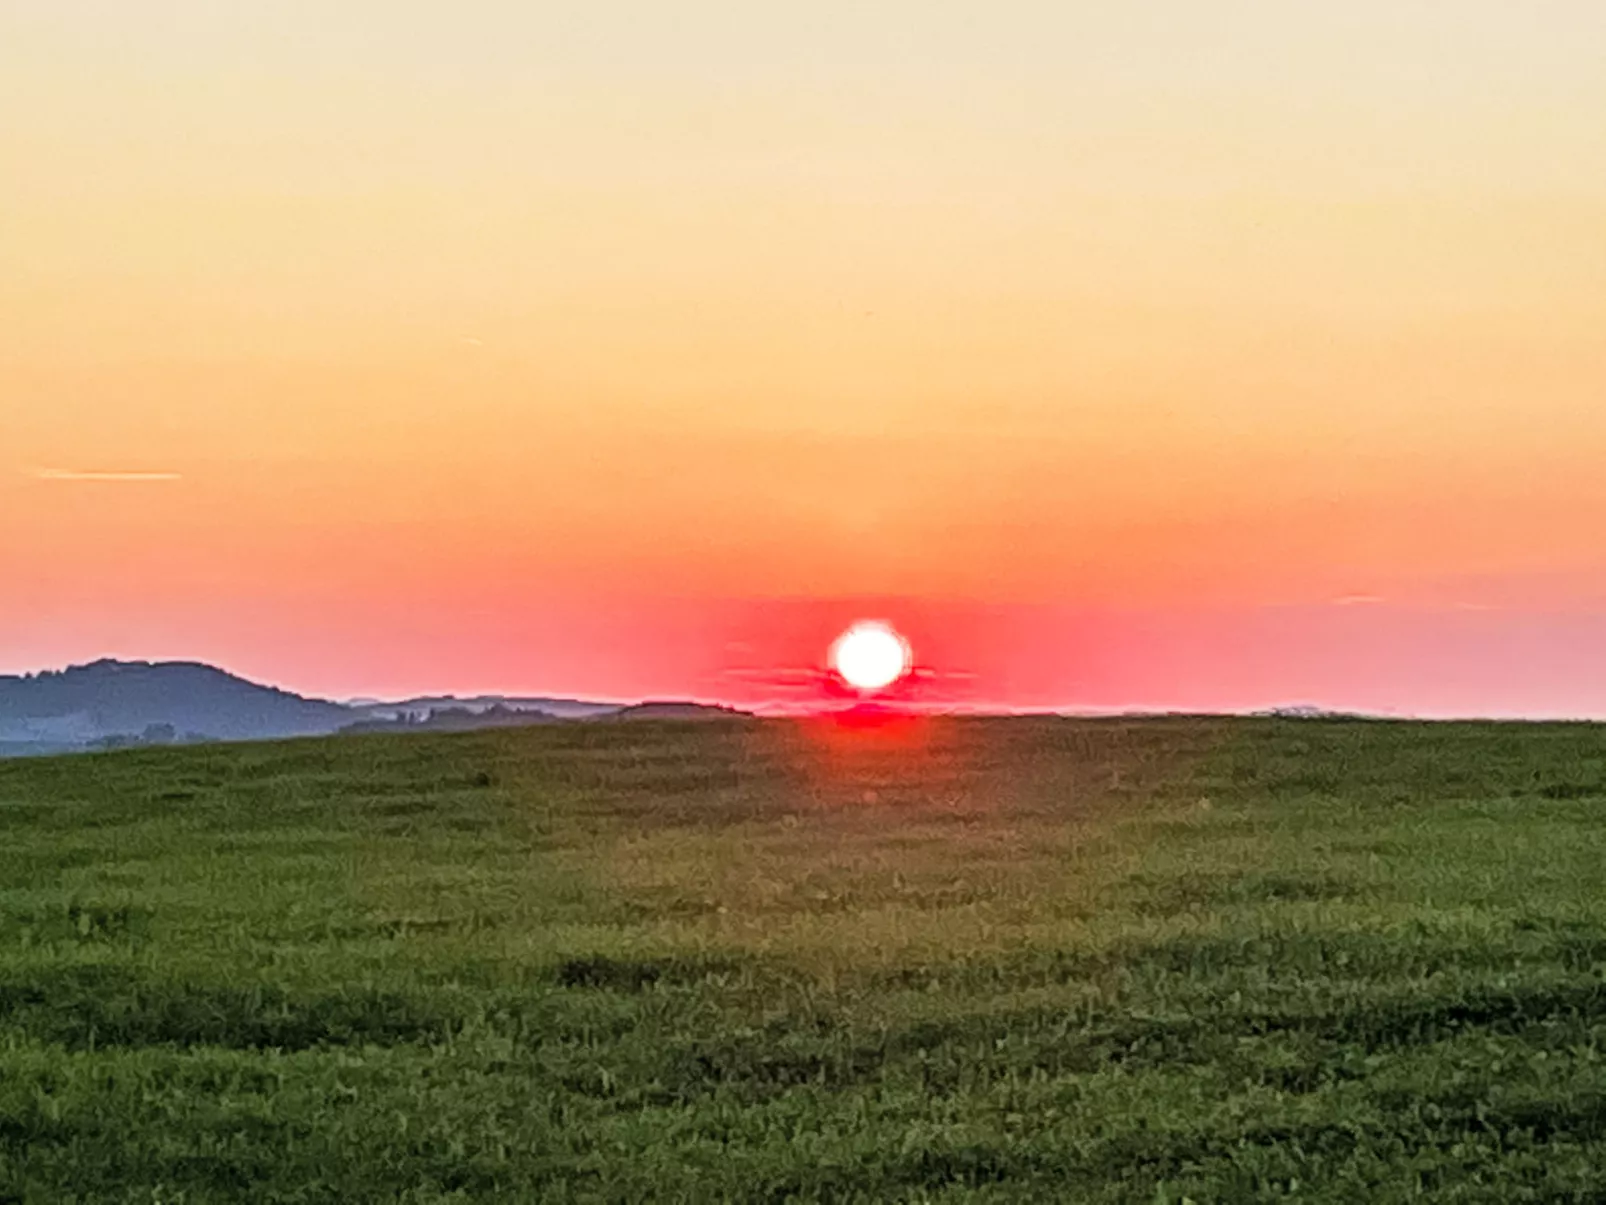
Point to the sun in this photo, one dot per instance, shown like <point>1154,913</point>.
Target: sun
<point>870,655</point>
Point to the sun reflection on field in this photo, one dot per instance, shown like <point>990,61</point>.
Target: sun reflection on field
<point>875,755</point>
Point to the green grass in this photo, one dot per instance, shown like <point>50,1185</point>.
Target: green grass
<point>986,960</point>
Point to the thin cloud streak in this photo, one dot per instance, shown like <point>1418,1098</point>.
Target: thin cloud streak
<point>103,475</point>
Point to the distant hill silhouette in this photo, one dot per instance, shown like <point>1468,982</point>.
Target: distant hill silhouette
<point>567,709</point>
<point>113,704</point>
<point>456,719</point>
<point>108,699</point>
<point>676,710</point>
<point>1308,711</point>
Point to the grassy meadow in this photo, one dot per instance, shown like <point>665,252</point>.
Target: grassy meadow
<point>956,960</point>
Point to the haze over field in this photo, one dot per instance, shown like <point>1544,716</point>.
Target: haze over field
<point>1163,354</point>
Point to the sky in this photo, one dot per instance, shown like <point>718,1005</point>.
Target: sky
<point>1160,354</point>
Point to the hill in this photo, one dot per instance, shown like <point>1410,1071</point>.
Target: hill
<point>454,719</point>
<point>115,704</point>
<point>566,709</point>
<point>127,699</point>
<point>673,709</point>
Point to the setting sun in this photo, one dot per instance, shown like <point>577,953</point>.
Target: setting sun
<point>870,656</point>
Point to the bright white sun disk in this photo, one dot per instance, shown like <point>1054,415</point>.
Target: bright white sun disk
<point>870,655</point>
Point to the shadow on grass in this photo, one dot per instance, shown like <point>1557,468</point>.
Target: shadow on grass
<point>89,1006</point>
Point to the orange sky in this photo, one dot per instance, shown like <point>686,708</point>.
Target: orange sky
<point>535,345</point>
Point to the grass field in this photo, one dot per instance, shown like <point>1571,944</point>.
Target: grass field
<point>964,960</point>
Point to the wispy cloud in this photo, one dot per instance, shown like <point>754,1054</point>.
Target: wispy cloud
<point>102,475</point>
<point>1357,600</point>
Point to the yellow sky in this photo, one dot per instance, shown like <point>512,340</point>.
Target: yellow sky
<point>1135,304</point>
